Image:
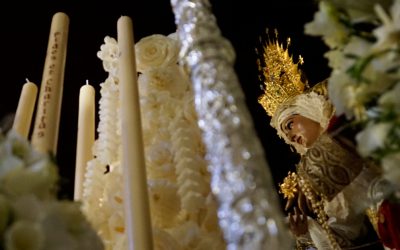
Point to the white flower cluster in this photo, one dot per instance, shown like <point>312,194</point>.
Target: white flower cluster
<point>183,211</point>
<point>31,217</point>
<point>156,51</point>
<point>365,80</point>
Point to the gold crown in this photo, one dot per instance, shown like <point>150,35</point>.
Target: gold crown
<point>282,77</point>
<point>289,187</point>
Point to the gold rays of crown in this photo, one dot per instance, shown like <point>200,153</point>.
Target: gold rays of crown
<point>282,77</point>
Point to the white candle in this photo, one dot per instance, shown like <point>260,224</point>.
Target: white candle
<point>86,134</point>
<point>26,105</point>
<point>137,214</point>
<point>45,132</point>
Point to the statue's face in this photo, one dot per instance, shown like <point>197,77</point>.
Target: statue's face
<point>301,130</point>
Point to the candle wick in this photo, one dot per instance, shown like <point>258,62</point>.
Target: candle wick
<point>26,79</point>
<point>87,82</point>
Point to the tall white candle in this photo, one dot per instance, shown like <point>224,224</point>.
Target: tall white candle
<point>45,132</point>
<point>26,105</point>
<point>86,134</point>
<point>137,214</point>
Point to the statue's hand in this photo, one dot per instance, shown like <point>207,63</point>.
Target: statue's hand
<point>298,222</point>
<point>302,203</point>
<point>289,203</point>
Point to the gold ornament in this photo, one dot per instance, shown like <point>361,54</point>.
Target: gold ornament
<point>282,77</point>
<point>374,217</point>
<point>317,203</point>
<point>289,187</point>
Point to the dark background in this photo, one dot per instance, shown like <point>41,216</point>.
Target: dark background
<point>25,31</point>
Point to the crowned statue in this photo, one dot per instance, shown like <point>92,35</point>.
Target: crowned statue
<point>337,190</point>
<point>203,182</point>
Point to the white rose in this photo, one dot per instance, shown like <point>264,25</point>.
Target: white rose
<point>326,23</point>
<point>24,235</point>
<point>169,79</point>
<point>36,209</point>
<point>186,232</point>
<point>152,110</point>
<point>387,34</point>
<point>5,214</point>
<point>159,154</point>
<point>39,180</point>
<point>17,146</point>
<point>174,36</point>
<point>150,121</point>
<point>164,202</point>
<point>117,224</point>
<point>64,222</point>
<point>337,60</point>
<point>341,92</point>
<point>372,137</point>
<point>357,46</point>
<point>165,171</point>
<point>188,108</point>
<point>109,53</point>
<point>120,242</point>
<point>155,51</point>
<point>171,109</point>
<point>153,101</point>
<point>391,98</point>
<point>185,135</point>
<point>9,163</point>
<point>163,240</point>
<point>391,168</point>
<point>114,192</point>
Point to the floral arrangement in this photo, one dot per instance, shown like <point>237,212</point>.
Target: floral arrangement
<point>363,39</point>
<point>182,208</point>
<point>31,216</point>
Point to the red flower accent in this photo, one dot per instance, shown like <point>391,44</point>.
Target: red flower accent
<point>389,224</point>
